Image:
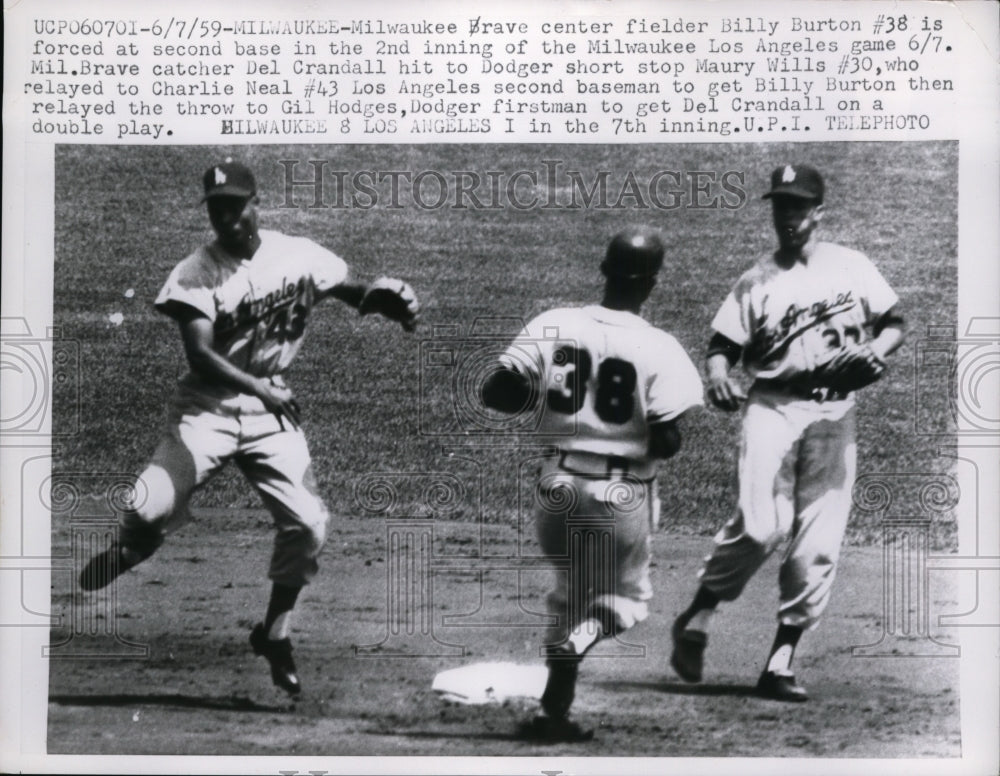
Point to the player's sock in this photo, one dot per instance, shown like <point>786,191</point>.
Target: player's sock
<point>279,609</point>
<point>585,635</point>
<point>699,614</point>
<point>781,659</point>
<point>783,649</point>
<point>281,627</point>
<point>700,620</point>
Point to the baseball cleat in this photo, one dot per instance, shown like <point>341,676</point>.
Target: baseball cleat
<point>781,687</point>
<point>279,656</point>
<point>688,657</point>
<point>104,568</point>
<point>554,730</point>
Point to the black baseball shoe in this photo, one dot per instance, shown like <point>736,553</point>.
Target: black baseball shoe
<point>781,687</point>
<point>688,657</point>
<point>104,568</point>
<point>554,730</point>
<point>279,656</point>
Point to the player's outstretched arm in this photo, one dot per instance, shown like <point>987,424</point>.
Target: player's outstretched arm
<point>506,391</point>
<point>350,292</point>
<point>199,338</point>
<point>722,391</point>
<point>390,297</point>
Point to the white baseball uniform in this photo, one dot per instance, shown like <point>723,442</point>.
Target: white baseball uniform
<point>797,450</point>
<point>605,376</point>
<point>258,308</point>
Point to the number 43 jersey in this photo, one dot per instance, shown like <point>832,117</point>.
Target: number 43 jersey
<point>604,376</point>
<point>258,306</point>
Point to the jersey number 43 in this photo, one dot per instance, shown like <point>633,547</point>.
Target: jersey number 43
<point>286,324</point>
<point>614,397</point>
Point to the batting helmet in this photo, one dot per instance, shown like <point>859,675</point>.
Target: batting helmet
<point>633,253</point>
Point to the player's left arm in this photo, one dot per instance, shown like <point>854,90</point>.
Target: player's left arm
<point>390,297</point>
<point>883,310</point>
<point>889,333</point>
<point>350,292</point>
<point>665,438</point>
<point>675,390</point>
<point>506,391</point>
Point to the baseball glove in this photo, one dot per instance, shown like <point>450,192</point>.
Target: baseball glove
<point>392,298</point>
<point>849,368</point>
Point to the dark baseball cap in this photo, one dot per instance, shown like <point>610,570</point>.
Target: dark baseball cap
<point>633,253</point>
<point>796,180</point>
<point>229,179</point>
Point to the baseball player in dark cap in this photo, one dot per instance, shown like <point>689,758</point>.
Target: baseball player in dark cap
<point>242,303</point>
<point>614,389</point>
<point>807,305</point>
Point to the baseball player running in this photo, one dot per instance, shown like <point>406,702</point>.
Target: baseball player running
<point>813,322</point>
<point>614,389</point>
<point>242,303</point>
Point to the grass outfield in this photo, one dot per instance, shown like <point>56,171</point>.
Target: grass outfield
<point>124,216</point>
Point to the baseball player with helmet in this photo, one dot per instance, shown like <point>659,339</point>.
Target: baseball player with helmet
<point>242,303</point>
<point>614,389</point>
<point>813,323</point>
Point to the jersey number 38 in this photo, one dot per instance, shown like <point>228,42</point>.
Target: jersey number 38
<point>614,397</point>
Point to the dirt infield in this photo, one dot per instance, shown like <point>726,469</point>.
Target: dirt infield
<point>201,691</point>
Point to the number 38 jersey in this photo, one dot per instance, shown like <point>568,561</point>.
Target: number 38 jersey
<point>258,306</point>
<point>604,376</point>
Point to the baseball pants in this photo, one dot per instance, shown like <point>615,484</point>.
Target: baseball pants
<point>203,435</point>
<point>595,529</point>
<point>796,471</point>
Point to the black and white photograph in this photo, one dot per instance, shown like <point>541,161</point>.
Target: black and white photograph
<point>412,522</point>
<point>417,427</point>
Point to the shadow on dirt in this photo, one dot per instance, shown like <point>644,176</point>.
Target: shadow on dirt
<point>435,734</point>
<point>233,703</point>
<point>678,688</point>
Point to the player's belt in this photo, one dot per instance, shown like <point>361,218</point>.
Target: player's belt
<point>799,391</point>
<point>596,465</point>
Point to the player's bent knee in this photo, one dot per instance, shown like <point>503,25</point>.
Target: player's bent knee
<point>143,526</point>
<point>292,571</point>
<point>296,549</point>
<point>155,495</point>
<point>617,613</point>
<point>320,528</point>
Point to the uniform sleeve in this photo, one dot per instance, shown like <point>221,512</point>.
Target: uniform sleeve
<point>524,355</point>
<point>879,296</point>
<point>731,319</point>
<point>674,385</point>
<point>190,283</point>
<point>326,267</point>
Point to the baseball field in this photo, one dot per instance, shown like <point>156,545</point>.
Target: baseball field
<point>432,561</point>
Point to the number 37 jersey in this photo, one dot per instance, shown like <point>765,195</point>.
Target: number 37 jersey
<point>258,306</point>
<point>604,376</point>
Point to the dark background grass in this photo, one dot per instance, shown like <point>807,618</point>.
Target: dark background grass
<point>124,216</point>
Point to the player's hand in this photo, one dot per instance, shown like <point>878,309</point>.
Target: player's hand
<point>394,299</point>
<point>278,401</point>
<point>725,394</point>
